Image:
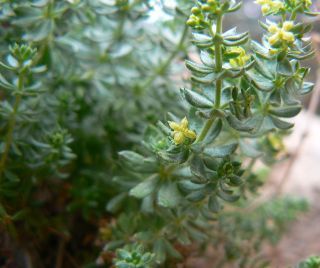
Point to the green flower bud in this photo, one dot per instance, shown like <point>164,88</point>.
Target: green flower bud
<point>191,23</point>
<point>206,8</point>
<point>195,11</point>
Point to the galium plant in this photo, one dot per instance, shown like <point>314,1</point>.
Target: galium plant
<point>68,70</point>
<point>190,168</point>
<point>82,80</point>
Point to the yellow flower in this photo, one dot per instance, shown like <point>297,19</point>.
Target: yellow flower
<point>281,34</point>
<point>241,60</point>
<point>181,131</point>
<point>307,3</point>
<point>270,6</point>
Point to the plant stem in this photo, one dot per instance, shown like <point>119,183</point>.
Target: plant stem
<point>167,62</point>
<point>11,126</point>
<point>218,59</point>
<point>218,87</point>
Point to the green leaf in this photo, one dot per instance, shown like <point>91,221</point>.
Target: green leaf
<point>235,37</point>
<point>175,155</point>
<point>159,248</point>
<point>206,80</point>
<point>239,125</point>
<point>260,81</point>
<point>188,186</point>
<point>171,250</point>
<point>286,111</point>
<point>198,68</point>
<point>196,99</point>
<point>238,42</point>
<point>114,204</point>
<point>138,162</point>
<point>207,59</point>
<point>235,7</point>
<point>221,151</point>
<point>214,204</point>
<point>169,195</point>
<point>197,167</point>
<point>235,180</point>
<point>312,13</point>
<point>228,197</point>
<point>259,49</point>
<point>40,32</point>
<point>249,150</point>
<point>284,68</point>
<point>202,40</point>
<point>213,132</point>
<point>196,196</point>
<point>306,88</point>
<point>145,188</point>
<point>280,123</point>
<point>5,84</point>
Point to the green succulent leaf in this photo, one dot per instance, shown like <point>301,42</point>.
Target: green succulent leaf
<point>221,150</point>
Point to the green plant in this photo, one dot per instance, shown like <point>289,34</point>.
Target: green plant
<point>188,170</point>
<point>83,80</point>
<point>311,262</point>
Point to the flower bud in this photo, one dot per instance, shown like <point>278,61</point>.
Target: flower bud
<point>287,36</point>
<point>191,23</point>
<point>211,2</point>
<point>206,8</point>
<point>273,39</point>
<point>195,11</point>
<point>287,25</point>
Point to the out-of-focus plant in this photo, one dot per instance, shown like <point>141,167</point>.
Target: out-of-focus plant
<point>311,262</point>
<point>82,80</point>
<point>68,86</point>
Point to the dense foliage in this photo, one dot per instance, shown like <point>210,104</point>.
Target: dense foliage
<point>87,170</point>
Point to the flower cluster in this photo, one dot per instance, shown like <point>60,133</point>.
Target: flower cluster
<point>241,59</point>
<point>196,19</point>
<point>181,131</point>
<point>282,34</point>
<point>270,6</point>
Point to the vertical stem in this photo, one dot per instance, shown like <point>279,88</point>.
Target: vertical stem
<point>218,63</point>
<point>11,126</point>
<point>218,59</point>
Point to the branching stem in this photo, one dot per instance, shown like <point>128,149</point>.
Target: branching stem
<point>11,126</point>
<point>218,86</point>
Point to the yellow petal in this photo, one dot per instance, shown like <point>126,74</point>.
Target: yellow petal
<point>178,137</point>
<point>287,25</point>
<point>273,28</point>
<point>288,36</point>
<point>273,39</point>
<point>174,125</point>
<point>265,9</point>
<point>190,134</point>
<point>233,63</point>
<point>184,123</point>
<point>277,5</point>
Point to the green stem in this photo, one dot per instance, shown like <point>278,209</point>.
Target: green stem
<point>168,61</point>
<point>218,59</point>
<point>218,88</point>
<point>11,126</point>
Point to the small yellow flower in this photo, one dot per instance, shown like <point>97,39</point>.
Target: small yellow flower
<point>270,6</point>
<point>281,34</point>
<point>241,60</point>
<point>307,3</point>
<point>181,131</point>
